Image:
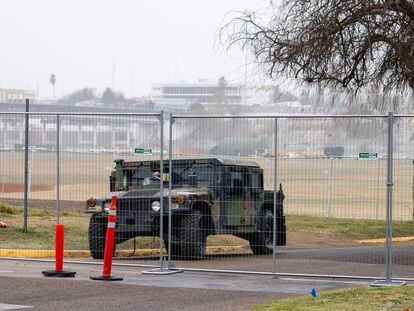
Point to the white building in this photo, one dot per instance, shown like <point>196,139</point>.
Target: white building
<point>201,92</point>
<point>13,95</point>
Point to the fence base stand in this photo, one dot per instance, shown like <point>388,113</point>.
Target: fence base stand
<point>60,274</point>
<point>105,278</point>
<point>160,271</point>
<point>385,283</point>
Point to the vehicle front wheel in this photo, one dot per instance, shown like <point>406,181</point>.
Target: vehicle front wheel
<point>175,247</point>
<point>97,235</point>
<point>261,242</point>
<point>193,236</point>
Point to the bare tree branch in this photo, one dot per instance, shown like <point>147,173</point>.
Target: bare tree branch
<point>332,42</point>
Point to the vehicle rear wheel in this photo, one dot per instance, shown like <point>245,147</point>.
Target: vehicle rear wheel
<point>193,236</point>
<point>261,242</point>
<point>97,235</point>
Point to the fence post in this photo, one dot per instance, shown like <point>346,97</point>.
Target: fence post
<point>378,187</point>
<point>170,168</point>
<point>329,207</point>
<point>412,187</point>
<point>388,252</point>
<point>57,169</point>
<point>162,269</point>
<point>274,203</point>
<point>26,166</point>
<point>162,191</point>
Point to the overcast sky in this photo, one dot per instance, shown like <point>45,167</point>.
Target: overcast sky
<point>81,40</point>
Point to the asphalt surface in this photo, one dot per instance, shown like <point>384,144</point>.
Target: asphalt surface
<point>22,284</point>
<point>352,260</point>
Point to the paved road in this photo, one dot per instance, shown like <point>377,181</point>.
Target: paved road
<point>21,283</point>
<point>344,260</point>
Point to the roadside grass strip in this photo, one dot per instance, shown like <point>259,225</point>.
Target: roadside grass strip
<point>364,299</point>
<point>382,241</point>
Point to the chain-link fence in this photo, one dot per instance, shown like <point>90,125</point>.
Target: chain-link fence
<point>288,194</point>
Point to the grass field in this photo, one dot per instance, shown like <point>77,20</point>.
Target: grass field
<point>352,189</point>
<point>41,230</point>
<point>363,299</point>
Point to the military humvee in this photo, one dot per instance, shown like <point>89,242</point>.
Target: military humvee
<point>209,197</point>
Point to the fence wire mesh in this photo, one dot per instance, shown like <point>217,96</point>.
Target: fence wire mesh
<point>220,169</point>
<point>403,198</point>
<point>333,173</point>
<point>313,189</point>
<point>335,195</point>
<point>89,146</point>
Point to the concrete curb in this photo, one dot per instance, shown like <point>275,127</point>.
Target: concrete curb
<point>382,241</point>
<point>36,253</point>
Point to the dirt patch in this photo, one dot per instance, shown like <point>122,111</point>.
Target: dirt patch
<point>8,188</point>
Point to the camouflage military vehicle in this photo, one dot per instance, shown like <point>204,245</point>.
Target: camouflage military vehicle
<point>209,197</point>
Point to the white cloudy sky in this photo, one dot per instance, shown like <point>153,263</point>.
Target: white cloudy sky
<point>80,40</point>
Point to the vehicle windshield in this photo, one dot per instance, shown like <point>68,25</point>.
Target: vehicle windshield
<point>144,177</point>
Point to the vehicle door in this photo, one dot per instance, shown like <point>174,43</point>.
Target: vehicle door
<point>235,200</point>
<point>254,195</point>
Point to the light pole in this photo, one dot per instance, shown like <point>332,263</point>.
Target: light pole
<point>53,81</point>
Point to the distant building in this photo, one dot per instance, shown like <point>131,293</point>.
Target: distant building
<point>201,92</point>
<point>16,95</point>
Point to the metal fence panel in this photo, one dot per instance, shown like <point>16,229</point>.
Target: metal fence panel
<point>215,163</point>
<point>403,198</point>
<point>89,145</point>
<point>226,176</point>
<point>333,174</point>
<point>21,238</point>
<point>336,197</point>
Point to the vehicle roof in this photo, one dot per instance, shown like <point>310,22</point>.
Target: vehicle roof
<point>212,161</point>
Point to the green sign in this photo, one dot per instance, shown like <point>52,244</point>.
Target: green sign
<point>368,155</point>
<point>142,151</point>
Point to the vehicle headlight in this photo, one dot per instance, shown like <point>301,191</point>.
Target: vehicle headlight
<point>91,202</point>
<point>155,206</point>
<point>106,207</point>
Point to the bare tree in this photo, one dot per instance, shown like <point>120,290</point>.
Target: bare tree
<point>85,94</point>
<point>332,42</point>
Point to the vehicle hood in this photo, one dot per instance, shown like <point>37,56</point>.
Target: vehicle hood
<point>155,193</point>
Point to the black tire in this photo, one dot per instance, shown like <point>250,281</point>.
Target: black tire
<point>193,236</point>
<point>261,242</point>
<point>97,235</point>
<point>175,247</point>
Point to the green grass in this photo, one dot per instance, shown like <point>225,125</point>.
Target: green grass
<point>7,209</point>
<point>41,226</point>
<point>348,229</point>
<point>364,299</point>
